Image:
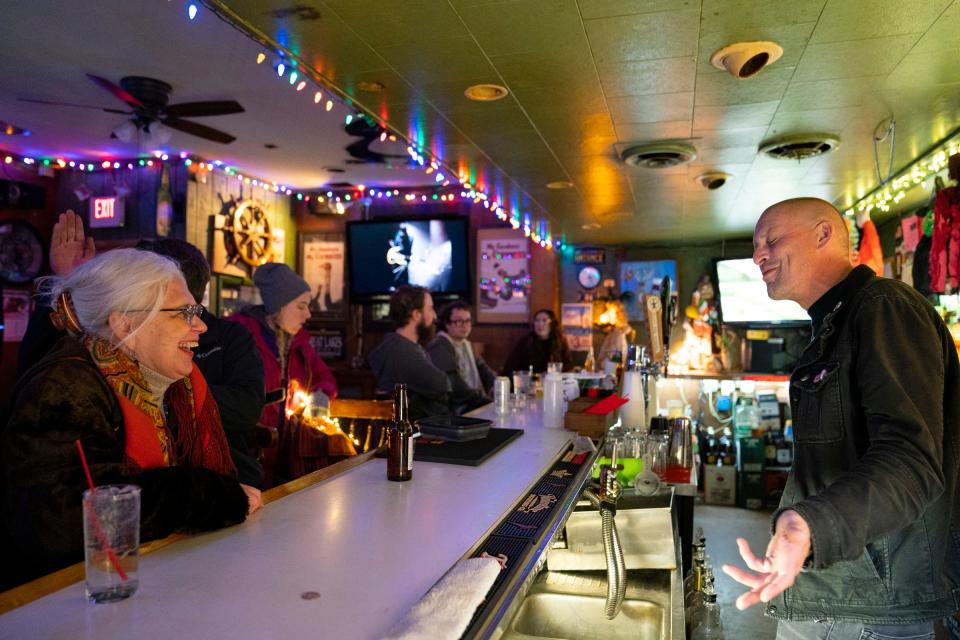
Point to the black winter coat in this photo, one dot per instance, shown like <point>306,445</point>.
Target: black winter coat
<point>229,361</point>
<point>65,398</point>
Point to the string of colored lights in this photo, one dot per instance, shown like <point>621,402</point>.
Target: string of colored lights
<point>917,173</point>
<point>336,198</point>
<point>286,66</point>
<point>450,186</point>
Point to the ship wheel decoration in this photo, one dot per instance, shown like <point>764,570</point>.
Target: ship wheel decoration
<point>250,233</point>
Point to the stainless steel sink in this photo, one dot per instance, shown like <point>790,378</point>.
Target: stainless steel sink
<point>571,605</point>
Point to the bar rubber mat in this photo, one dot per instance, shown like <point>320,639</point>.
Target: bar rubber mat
<point>514,534</point>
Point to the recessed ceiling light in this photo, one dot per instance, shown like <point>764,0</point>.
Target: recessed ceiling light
<point>558,185</point>
<point>371,87</point>
<point>486,92</point>
<point>590,226</point>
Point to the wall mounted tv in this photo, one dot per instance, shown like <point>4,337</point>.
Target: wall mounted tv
<point>429,252</point>
<point>744,300</point>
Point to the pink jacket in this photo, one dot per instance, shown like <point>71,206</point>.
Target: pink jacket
<point>304,364</point>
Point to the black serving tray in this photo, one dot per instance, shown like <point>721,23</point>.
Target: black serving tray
<point>454,428</point>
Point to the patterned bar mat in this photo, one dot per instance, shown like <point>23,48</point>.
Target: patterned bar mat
<point>517,531</point>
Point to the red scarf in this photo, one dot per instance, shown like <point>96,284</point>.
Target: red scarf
<point>200,440</point>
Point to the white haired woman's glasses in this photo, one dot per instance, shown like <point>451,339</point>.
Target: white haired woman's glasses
<point>189,311</point>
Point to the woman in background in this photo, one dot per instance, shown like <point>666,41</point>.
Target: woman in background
<point>124,384</point>
<point>544,344</point>
<point>289,360</point>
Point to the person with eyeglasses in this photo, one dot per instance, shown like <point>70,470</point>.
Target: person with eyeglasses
<point>226,355</point>
<point>471,379</point>
<point>124,384</point>
<point>289,359</point>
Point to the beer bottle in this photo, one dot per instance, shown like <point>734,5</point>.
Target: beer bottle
<point>400,438</point>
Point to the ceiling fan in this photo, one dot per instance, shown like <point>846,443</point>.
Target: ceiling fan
<point>148,100</point>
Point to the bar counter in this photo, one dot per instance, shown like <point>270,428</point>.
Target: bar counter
<point>369,547</point>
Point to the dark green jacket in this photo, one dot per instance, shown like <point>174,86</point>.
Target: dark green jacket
<point>876,409</point>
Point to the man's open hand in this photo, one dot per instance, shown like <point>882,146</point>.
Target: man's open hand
<point>788,550</point>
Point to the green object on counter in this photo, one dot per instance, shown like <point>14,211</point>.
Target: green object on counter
<point>632,467</point>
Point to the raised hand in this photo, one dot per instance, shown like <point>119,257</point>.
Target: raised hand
<point>68,248</point>
<point>788,550</point>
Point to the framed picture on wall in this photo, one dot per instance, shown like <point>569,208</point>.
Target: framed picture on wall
<point>503,276</point>
<point>322,259</point>
<point>642,278</point>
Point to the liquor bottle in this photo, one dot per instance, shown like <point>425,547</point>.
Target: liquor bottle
<point>400,438</point>
<point>784,451</point>
<point>770,449</point>
<point>590,363</point>
<point>708,624</point>
<point>164,204</point>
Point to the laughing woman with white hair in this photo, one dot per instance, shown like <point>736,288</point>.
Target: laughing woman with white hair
<point>124,384</point>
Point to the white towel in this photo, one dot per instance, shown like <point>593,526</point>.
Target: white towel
<point>446,610</point>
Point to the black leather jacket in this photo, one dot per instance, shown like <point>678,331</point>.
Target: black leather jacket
<point>876,410</point>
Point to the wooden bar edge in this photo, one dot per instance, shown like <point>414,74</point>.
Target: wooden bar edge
<point>45,585</point>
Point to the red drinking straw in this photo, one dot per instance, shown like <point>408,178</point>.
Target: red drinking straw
<point>101,536</point>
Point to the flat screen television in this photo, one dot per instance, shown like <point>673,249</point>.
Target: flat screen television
<point>432,253</point>
<point>744,300</point>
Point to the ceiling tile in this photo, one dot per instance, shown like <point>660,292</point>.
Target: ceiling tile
<point>723,15</point>
<point>740,116</point>
<point>730,155</point>
<point>728,138</point>
<point>853,58</point>
<point>860,19</point>
<point>715,88</point>
<point>419,21</point>
<point>822,120</point>
<point>924,69</point>
<point>548,69</point>
<point>822,94</point>
<point>670,75</point>
<point>591,9</point>
<point>648,36</point>
<point>662,107</point>
<point>942,35</point>
<point>517,26</point>
<point>462,58</point>
<point>679,129</point>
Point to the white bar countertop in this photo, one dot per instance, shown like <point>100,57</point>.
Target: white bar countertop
<point>371,548</point>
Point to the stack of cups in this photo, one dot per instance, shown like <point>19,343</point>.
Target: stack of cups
<point>553,401</point>
<point>501,394</point>
<point>633,413</point>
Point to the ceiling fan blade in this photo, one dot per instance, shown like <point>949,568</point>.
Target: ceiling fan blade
<point>119,92</point>
<point>198,109</point>
<point>72,104</point>
<point>199,130</point>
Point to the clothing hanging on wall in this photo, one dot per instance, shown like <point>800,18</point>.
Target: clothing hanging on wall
<point>945,244</point>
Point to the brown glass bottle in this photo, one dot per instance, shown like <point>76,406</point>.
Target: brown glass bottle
<point>400,438</point>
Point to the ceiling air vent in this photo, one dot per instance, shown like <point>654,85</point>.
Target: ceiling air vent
<point>659,155</point>
<point>800,147</point>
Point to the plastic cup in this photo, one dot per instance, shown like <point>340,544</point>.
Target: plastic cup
<point>111,541</point>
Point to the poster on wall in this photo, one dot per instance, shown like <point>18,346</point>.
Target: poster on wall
<point>243,238</point>
<point>16,314</point>
<point>321,265</point>
<point>643,278</point>
<point>503,276</point>
<point>577,322</point>
<point>331,344</point>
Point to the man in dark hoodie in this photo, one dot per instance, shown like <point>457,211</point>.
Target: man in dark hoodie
<point>400,358</point>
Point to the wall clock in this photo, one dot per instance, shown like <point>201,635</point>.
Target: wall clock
<point>21,252</point>
<point>589,277</point>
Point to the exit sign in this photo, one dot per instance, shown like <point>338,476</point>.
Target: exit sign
<point>106,212</point>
